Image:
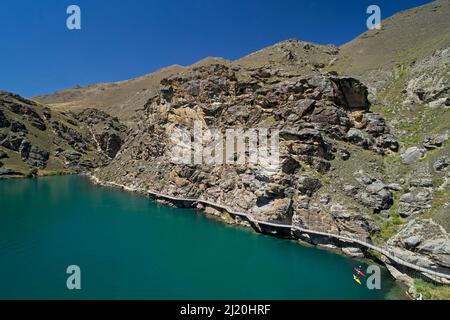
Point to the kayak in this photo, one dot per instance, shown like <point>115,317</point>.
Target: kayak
<point>357,279</point>
<point>358,271</point>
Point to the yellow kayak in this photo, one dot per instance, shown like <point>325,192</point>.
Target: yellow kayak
<point>357,279</point>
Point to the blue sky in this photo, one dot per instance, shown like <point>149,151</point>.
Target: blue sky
<point>125,39</point>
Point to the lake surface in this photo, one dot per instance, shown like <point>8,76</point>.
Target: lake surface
<point>129,247</point>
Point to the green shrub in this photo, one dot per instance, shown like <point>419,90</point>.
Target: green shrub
<point>33,173</point>
<point>432,291</point>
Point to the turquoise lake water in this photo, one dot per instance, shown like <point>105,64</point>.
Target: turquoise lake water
<point>129,247</point>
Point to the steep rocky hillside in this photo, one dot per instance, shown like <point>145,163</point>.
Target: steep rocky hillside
<point>35,139</point>
<point>123,99</point>
<point>417,107</point>
<point>406,65</point>
<point>290,58</point>
<point>378,172</point>
<point>323,121</point>
<point>364,134</point>
<point>404,38</point>
<point>332,176</point>
<point>375,57</point>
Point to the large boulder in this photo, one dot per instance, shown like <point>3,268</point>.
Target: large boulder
<point>25,148</point>
<point>373,193</point>
<point>70,155</point>
<point>415,202</point>
<point>357,137</point>
<point>29,113</point>
<point>9,172</point>
<point>418,198</point>
<point>17,126</point>
<point>441,163</point>
<point>37,157</point>
<point>3,155</point>
<point>71,136</point>
<point>274,210</point>
<point>412,155</point>
<point>423,240</point>
<point>110,143</point>
<point>354,93</point>
<point>4,122</point>
<point>109,132</point>
<point>12,142</point>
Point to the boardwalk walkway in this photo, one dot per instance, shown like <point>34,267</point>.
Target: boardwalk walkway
<point>437,276</point>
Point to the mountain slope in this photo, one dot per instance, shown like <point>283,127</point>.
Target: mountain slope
<point>404,38</point>
<point>121,99</point>
<point>36,139</point>
<point>375,169</point>
<point>291,57</point>
<point>381,176</point>
<point>407,67</point>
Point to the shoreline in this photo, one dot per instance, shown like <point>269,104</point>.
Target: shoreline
<point>39,174</point>
<point>127,229</point>
<point>224,214</point>
<point>401,271</point>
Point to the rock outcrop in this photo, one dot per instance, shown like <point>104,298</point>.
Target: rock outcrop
<point>313,114</point>
<point>108,132</point>
<point>423,242</point>
<point>333,149</point>
<point>375,170</point>
<point>34,137</point>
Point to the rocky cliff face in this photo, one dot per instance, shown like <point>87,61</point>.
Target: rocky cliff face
<point>408,77</point>
<point>415,105</point>
<point>324,122</point>
<point>36,139</point>
<point>424,243</point>
<point>344,168</point>
<point>371,166</point>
